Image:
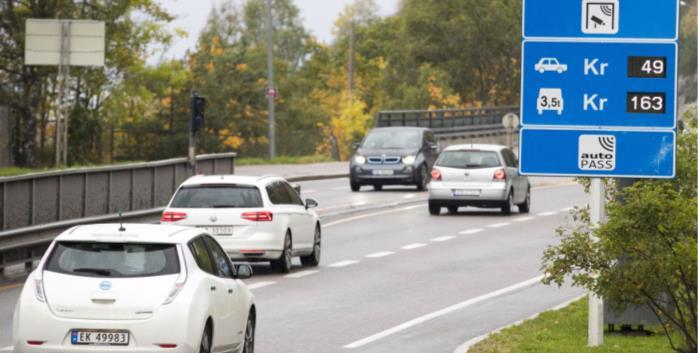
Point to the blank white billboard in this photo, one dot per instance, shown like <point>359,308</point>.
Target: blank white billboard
<point>43,42</point>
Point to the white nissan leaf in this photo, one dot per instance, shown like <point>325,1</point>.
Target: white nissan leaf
<point>137,288</point>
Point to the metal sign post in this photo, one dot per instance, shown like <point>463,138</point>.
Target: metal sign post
<point>598,96</point>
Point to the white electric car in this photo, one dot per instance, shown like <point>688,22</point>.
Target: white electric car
<point>253,218</point>
<point>136,288</point>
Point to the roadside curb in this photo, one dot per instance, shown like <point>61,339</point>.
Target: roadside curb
<point>352,210</point>
<point>317,177</point>
<point>473,341</point>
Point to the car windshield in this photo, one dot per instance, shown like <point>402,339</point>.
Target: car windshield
<point>393,139</point>
<point>217,196</point>
<point>468,159</point>
<point>97,259</point>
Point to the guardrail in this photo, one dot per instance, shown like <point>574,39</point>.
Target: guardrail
<point>449,122</point>
<point>36,207</point>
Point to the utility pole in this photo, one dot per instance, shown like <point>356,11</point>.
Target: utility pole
<point>352,40</point>
<point>61,138</point>
<point>270,69</point>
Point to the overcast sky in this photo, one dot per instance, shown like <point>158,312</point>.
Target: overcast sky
<point>319,17</point>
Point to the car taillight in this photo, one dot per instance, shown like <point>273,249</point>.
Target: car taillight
<point>435,174</point>
<point>39,288</point>
<point>35,343</point>
<point>181,279</point>
<point>167,345</point>
<point>260,216</point>
<point>169,216</point>
<point>500,175</point>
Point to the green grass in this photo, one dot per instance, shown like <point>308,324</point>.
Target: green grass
<point>565,331</point>
<point>283,160</point>
<point>11,171</point>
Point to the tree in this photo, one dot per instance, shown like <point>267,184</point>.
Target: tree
<point>646,252</point>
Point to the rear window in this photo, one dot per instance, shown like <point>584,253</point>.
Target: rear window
<point>95,259</point>
<point>217,196</point>
<point>468,159</point>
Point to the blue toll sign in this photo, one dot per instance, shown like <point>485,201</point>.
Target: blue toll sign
<point>599,84</point>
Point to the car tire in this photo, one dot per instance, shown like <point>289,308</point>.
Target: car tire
<point>206,340</point>
<point>248,345</point>
<point>354,186</point>
<point>378,187</point>
<point>452,209</point>
<point>434,209</point>
<point>313,259</point>
<point>506,208</point>
<point>283,264</point>
<point>525,207</point>
<point>423,179</point>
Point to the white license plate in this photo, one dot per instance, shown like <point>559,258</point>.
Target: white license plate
<point>462,192</point>
<point>383,172</point>
<point>100,337</point>
<point>219,230</point>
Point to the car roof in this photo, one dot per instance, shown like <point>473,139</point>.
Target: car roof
<point>227,179</point>
<point>476,146</point>
<point>133,233</point>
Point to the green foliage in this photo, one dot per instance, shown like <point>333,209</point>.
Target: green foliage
<point>646,252</point>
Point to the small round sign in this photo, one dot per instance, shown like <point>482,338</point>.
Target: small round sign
<point>510,121</point>
<point>272,92</point>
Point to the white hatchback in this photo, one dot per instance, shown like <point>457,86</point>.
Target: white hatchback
<point>137,288</point>
<point>253,218</point>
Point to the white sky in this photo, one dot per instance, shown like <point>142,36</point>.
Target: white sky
<point>319,17</point>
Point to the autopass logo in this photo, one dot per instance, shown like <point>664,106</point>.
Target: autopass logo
<point>597,152</point>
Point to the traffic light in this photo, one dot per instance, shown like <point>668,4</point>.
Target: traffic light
<point>198,106</point>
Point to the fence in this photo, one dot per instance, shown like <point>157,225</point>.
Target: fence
<point>447,122</point>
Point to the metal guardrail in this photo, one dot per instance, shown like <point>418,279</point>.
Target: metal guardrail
<point>35,207</point>
<point>449,122</point>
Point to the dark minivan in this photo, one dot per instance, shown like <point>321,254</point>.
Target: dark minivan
<point>394,156</point>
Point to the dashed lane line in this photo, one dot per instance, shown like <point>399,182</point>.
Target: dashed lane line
<point>344,263</point>
<point>7,349</point>
<point>409,196</point>
<point>498,225</point>
<point>258,285</point>
<point>546,214</point>
<point>471,231</point>
<point>413,246</point>
<point>351,219</point>
<point>445,311</point>
<point>524,219</point>
<point>379,254</point>
<point>442,239</point>
<point>566,209</point>
<point>302,274</point>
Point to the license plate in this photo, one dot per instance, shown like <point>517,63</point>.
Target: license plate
<point>462,192</point>
<point>100,337</point>
<point>383,172</point>
<point>219,230</point>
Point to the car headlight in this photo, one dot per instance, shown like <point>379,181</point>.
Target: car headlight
<point>409,159</point>
<point>359,159</point>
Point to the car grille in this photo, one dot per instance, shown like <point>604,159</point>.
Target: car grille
<point>383,160</point>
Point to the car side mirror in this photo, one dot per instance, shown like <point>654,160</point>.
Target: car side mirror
<point>244,271</point>
<point>297,188</point>
<point>310,203</point>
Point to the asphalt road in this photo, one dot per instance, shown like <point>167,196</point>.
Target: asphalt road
<point>399,280</point>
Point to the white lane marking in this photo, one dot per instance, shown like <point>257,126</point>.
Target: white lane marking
<point>524,219</point>
<point>380,254</point>
<point>258,285</point>
<point>413,246</point>
<point>8,348</point>
<point>471,231</point>
<point>410,196</point>
<point>566,209</point>
<point>546,214</point>
<point>441,239</point>
<point>340,188</point>
<point>431,316</point>
<point>302,274</point>
<point>360,203</point>
<point>344,263</point>
<point>498,225</point>
<point>341,221</point>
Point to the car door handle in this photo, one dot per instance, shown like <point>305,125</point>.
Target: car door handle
<point>213,288</point>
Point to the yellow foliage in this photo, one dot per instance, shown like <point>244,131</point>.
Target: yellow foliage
<point>234,142</point>
<point>209,66</point>
<point>348,123</point>
<point>241,67</point>
<point>438,99</point>
<point>216,51</point>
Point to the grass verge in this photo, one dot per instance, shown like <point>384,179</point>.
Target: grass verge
<point>565,331</point>
<point>283,160</point>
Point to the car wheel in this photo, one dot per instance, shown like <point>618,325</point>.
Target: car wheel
<point>525,207</point>
<point>506,209</point>
<point>423,180</point>
<point>283,264</point>
<point>249,335</point>
<point>205,346</point>
<point>378,187</point>
<point>452,209</point>
<point>434,209</point>
<point>354,186</point>
<point>314,258</point>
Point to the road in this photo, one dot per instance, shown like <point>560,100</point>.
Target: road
<point>398,280</point>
